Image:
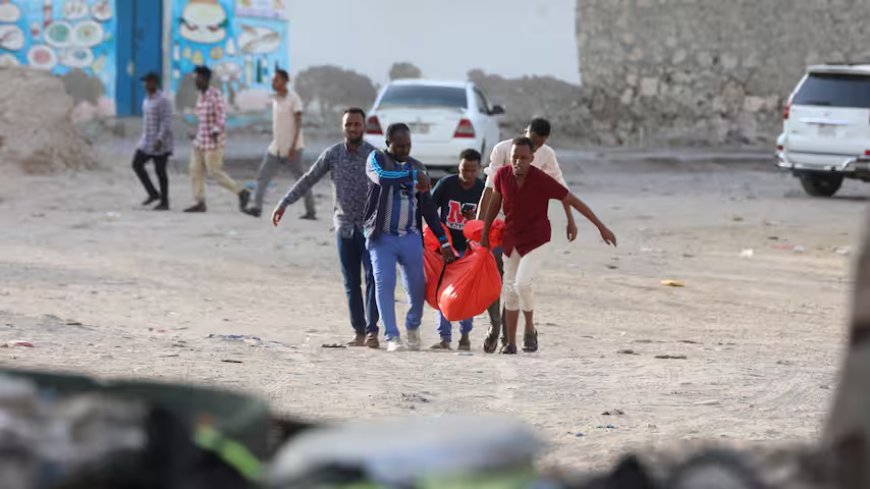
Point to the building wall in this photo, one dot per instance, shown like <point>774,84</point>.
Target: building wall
<point>73,39</point>
<point>706,71</point>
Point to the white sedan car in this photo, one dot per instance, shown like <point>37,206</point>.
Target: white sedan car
<point>445,118</point>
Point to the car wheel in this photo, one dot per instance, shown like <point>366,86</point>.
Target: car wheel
<point>821,185</point>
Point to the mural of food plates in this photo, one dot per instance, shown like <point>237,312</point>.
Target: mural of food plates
<point>8,61</point>
<point>76,57</point>
<point>87,34</point>
<point>204,22</point>
<point>41,57</point>
<point>75,9</point>
<point>9,12</point>
<point>102,10</point>
<point>259,40</point>
<point>59,34</point>
<point>11,38</point>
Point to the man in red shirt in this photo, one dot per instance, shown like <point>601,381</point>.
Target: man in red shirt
<point>525,192</point>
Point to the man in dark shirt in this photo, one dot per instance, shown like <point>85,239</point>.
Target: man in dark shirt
<point>526,192</point>
<point>456,197</point>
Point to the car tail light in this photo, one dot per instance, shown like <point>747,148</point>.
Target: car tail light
<point>780,147</point>
<point>373,126</point>
<point>867,153</point>
<point>465,129</point>
<point>787,111</point>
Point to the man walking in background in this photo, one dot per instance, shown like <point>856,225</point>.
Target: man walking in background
<point>287,144</point>
<point>346,163</point>
<point>544,159</point>
<point>156,142</point>
<point>456,197</point>
<point>207,153</point>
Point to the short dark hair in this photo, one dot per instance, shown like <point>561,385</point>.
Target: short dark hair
<point>283,74</point>
<point>524,141</point>
<point>204,71</point>
<point>395,128</point>
<point>470,155</point>
<point>539,126</point>
<point>354,110</point>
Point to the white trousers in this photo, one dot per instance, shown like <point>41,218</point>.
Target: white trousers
<point>519,277</point>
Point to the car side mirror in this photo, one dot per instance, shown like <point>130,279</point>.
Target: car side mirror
<point>496,110</point>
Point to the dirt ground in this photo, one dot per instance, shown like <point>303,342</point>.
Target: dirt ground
<point>101,286</point>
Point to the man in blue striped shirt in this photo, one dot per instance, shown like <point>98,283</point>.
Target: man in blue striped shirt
<point>398,190</point>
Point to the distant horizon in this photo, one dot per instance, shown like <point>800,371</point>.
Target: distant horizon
<point>506,37</point>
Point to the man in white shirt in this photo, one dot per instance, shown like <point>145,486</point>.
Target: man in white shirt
<point>287,144</point>
<point>544,159</point>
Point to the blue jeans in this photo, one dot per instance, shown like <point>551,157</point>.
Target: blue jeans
<point>354,258</point>
<point>445,328</point>
<point>386,252</point>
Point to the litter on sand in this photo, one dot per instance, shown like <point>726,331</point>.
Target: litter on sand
<point>672,283</point>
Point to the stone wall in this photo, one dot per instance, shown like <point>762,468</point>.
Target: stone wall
<point>705,71</point>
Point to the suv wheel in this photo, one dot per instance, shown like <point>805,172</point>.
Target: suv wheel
<point>821,185</point>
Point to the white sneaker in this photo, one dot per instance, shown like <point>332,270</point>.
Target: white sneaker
<point>395,344</point>
<point>414,339</point>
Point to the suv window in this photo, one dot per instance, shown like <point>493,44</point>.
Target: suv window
<point>482,104</point>
<point>424,96</point>
<point>834,90</point>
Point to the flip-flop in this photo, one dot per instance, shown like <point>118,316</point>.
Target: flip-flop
<point>491,342</point>
<point>508,350</point>
<point>530,342</point>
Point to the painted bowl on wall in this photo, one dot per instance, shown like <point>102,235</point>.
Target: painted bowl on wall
<point>59,34</point>
<point>77,57</point>
<point>41,57</point>
<point>259,40</point>
<point>8,61</point>
<point>9,12</point>
<point>11,38</point>
<point>87,34</point>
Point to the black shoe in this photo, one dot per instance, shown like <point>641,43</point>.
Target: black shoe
<point>308,216</point>
<point>530,342</point>
<point>253,211</point>
<point>244,197</point>
<point>162,207</point>
<point>491,341</point>
<point>508,350</point>
<point>150,200</point>
<point>464,343</point>
<point>200,207</point>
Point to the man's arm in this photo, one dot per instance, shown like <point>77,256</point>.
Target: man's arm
<point>489,216</point>
<point>550,166</point>
<point>575,202</point>
<point>165,121</point>
<point>220,115</point>
<point>320,168</point>
<point>297,130</point>
<point>497,159</point>
<point>387,178</point>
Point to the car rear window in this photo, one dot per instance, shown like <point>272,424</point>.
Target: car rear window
<point>834,90</point>
<point>424,96</point>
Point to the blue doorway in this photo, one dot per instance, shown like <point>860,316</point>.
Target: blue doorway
<point>140,50</point>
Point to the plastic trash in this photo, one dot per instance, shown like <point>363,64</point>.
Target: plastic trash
<point>470,284</point>
<point>672,283</point>
<point>747,253</point>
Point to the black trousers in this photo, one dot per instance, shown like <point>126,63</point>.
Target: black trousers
<point>139,161</point>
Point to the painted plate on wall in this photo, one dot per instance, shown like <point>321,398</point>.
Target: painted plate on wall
<point>102,10</point>
<point>87,34</point>
<point>58,34</point>
<point>11,38</point>
<point>8,61</point>
<point>41,57</point>
<point>77,57</point>
<point>9,12</point>
<point>75,9</point>
<point>259,40</point>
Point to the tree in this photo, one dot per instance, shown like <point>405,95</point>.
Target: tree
<point>334,88</point>
<point>403,70</point>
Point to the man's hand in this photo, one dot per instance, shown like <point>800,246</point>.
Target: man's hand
<point>468,215</point>
<point>447,254</point>
<point>608,236</point>
<point>422,182</point>
<point>484,241</point>
<point>277,215</point>
<point>191,135</point>
<point>215,136</point>
<point>571,231</point>
<point>158,146</point>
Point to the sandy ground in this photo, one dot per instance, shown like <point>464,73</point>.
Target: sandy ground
<point>102,286</point>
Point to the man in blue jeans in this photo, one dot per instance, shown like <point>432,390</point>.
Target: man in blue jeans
<point>456,198</point>
<point>398,193</point>
<point>346,162</point>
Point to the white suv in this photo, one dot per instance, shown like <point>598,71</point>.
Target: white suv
<point>445,118</point>
<point>826,128</point>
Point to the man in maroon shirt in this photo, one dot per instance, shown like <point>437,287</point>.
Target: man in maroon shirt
<point>525,192</point>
